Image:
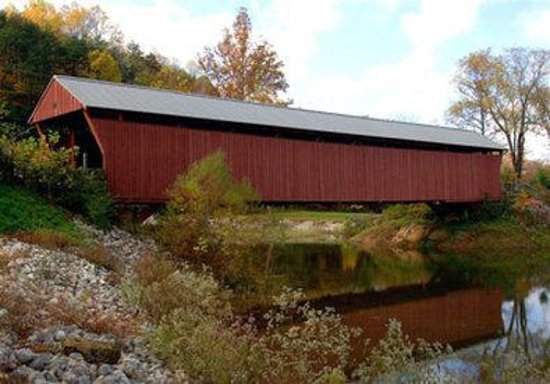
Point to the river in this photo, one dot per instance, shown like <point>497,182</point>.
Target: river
<point>470,302</point>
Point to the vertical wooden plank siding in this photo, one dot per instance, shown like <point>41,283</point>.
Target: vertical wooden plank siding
<point>55,101</point>
<point>143,160</point>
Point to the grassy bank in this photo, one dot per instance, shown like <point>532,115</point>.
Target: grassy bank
<point>417,227</point>
<point>23,211</point>
<point>503,234</point>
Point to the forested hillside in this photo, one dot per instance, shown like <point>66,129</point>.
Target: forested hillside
<point>42,40</point>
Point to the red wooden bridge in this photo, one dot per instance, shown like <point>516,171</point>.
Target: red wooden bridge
<point>144,137</point>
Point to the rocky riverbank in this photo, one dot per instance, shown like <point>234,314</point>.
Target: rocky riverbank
<point>65,319</point>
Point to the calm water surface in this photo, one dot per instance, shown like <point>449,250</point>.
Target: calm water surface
<point>461,300</point>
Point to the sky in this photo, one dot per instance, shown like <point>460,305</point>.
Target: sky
<point>382,58</point>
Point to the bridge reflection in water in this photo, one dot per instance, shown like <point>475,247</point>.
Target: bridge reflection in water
<point>368,290</point>
<point>458,318</point>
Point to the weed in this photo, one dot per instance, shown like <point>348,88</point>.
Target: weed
<point>47,238</point>
<point>100,256</point>
<point>5,260</point>
<point>397,359</point>
<point>162,289</point>
<point>303,344</point>
<point>95,352</point>
<point>28,310</point>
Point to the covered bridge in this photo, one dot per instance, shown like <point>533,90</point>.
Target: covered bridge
<point>144,137</point>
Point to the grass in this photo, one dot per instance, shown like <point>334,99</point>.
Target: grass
<point>503,234</point>
<point>303,215</point>
<point>25,211</point>
<point>319,226</point>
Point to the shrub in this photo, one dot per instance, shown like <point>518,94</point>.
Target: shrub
<point>355,225</point>
<point>165,288</point>
<point>397,359</point>
<point>100,256</point>
<point>88,195</point>
<point>407,213</point>
<point>36,165</point>
<point>304,344</point>
<point>198,331</point>
<point>28,310</point>
<point>207,348</point>
<point>300,344</point>
<point>47,238</point>
<point>150,269</point>
<point>208,188</point>
<point>203,223</point>
<point>512,365</point>
<point>542,177</point>
<point>490,210</point>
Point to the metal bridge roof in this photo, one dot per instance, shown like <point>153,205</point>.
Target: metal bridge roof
<point>124,97</point>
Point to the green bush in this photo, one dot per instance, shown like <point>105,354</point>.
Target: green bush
<point>198,331</point>
<point>407,213</point>
<point>41,167</point>
<point>542,177</point>
<point>208,188</point>
<point>490,210</point>
<point>209,203</point>
<point>88,195</point>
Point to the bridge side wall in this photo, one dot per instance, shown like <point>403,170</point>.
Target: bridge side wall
<point>142,160</point>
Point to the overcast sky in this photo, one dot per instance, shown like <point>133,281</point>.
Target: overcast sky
<point>382,58</point>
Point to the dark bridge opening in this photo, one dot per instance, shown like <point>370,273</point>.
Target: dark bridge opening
<point>74,132</point>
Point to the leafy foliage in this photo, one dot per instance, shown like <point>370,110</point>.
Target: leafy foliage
<point>103,66</point>
<point>199,332</point>
<point>397,359</point>
<point>242,69</point>
<point>28,58</point>
<point>542,177</point>
<point>407,213</point>
<point>165,287</point>
<point>208,188</point>
<point>304,344</point>
<point>42,40</point>
<point>32,163</point>
<point>504,95</point>
<point>208,202</point>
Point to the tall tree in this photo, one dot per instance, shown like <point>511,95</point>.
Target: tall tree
<point>171,76</point>
<point>103,66</point>
<point>242,69</point>
<point>28,58</point>
<point>506,95</point>
<point>44,14</point>
<point>90,24</point>
<point>473,79</point>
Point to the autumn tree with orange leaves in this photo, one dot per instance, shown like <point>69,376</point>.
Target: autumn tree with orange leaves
<point>242,69</point>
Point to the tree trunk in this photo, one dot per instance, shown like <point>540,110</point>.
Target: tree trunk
<point>517,159</point>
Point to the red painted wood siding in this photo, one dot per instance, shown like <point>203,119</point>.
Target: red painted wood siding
<point>143,159</point>
<point>55,101</point>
